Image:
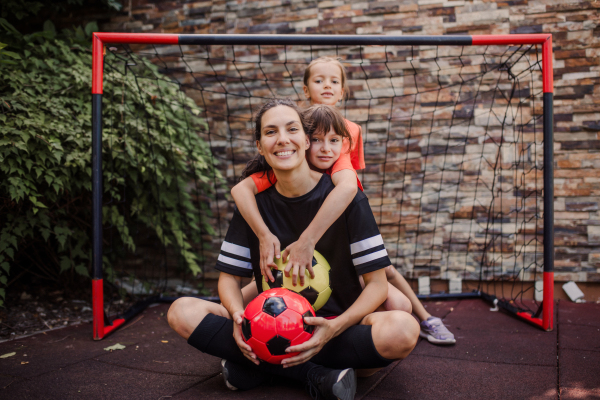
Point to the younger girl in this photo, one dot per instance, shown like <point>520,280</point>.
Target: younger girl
<point>325,82</point>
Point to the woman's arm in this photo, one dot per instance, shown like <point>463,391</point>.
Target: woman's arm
<point>373,295</point>
<point>230,293</point>
<point>301,251</point>
<point>243,194</point>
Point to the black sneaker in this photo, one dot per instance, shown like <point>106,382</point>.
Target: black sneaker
<point>331,384</point>
<point>225,372</point>
<point>238,377</point>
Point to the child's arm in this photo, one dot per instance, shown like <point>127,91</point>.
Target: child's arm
<point>301,251</point>
<point>243,194</point>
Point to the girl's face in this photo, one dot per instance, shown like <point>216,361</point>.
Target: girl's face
<point>325,149</point>
<point>283,142</point>
<point>325,84</point>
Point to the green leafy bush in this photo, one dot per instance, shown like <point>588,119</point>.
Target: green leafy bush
<point>45,157</point>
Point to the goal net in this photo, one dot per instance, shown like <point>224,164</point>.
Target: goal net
<point>457,134</point>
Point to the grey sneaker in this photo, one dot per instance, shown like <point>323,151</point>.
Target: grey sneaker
<point>436,332</point>
<point>331,384</point>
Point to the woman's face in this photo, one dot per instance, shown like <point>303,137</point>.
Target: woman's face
<point>283,142</point>
<point>325,149</point>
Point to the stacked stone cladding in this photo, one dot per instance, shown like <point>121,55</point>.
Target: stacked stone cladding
<point>576,43</point>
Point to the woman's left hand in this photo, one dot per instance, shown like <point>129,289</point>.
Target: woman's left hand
<point>300,259</point>
<point>324,332</point>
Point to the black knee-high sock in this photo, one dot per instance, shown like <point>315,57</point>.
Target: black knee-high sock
<point>214,336</point>
<point>353,348</point>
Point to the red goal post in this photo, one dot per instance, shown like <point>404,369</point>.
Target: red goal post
<point>543,318</point>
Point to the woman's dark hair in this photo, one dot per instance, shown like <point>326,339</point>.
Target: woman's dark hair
<point>258,163</point>
<point>322,117</point>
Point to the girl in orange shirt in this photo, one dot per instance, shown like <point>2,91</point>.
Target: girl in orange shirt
<point>325,82</point>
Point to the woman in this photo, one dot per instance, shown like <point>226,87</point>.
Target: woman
<point>353,336</point>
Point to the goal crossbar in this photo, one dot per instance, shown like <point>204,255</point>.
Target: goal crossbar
<point>543,318</point>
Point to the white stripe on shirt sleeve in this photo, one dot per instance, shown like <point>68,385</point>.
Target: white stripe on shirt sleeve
<point>370,257</point>
<point>366,244</point>
<point>234,262</point>
<point>235,249</point>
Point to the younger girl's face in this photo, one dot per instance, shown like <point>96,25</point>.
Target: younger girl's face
<point>325,84</point>
<point>325,149</point>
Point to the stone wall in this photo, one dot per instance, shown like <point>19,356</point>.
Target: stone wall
<point>576,39</point>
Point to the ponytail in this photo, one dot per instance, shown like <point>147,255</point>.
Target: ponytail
<point>257,164</point>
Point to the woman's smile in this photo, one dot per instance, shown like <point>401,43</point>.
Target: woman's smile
<point>284,153</point>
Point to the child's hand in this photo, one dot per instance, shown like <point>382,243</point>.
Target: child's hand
<point>269,248</point>
<point>300,259</point>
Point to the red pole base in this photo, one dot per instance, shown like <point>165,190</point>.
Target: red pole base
<point>548,311</point>
<point>98,308</point>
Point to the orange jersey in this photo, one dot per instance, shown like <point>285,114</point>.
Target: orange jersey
<point>353,160</point>
<point>357,153</point>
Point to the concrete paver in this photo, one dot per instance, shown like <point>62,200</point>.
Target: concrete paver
<point>579,374</point>
<point>92,379</point>
<point>485,336</point>
<point>427,377</point>
<point>579,350</point>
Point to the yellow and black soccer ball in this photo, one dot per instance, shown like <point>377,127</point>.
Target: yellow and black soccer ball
<point>316,290</point>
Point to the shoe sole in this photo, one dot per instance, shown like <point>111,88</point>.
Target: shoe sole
<point>345,387</point>
<point>433,340</point>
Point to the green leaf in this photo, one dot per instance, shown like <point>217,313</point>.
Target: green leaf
<point>5,266</point>
<point>116,346</point>
<point>10,54</point>
<point>10,252</point>
<point>49,28</point>
<point>82,270</point>
<point>114,4</point>
<point>9,28</point>
<point>6,355</point>
<point>91,27</point>
<point>65,263</point>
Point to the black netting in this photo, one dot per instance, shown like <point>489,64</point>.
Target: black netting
<point>453,148</point>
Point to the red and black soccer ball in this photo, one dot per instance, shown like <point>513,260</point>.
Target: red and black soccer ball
<point>274,321</point>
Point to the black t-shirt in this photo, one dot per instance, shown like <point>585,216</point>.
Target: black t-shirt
<point>352,245</point>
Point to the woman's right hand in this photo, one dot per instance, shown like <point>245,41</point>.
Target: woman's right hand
<point>325,330</point>
<point>237,336</point>
<point>269,248</point>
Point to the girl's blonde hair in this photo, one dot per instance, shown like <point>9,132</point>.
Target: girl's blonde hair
<point>336,61</point>
<point>321,118</point>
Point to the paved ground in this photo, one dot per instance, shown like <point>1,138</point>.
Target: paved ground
<point>496,357</point>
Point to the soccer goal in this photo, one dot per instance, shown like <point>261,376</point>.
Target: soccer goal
<point>457,132</point>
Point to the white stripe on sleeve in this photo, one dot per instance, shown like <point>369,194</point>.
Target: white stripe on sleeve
<point>370,257</point>
<point>234,262</point>
<point>235,249</point>
<point>366,244</point>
